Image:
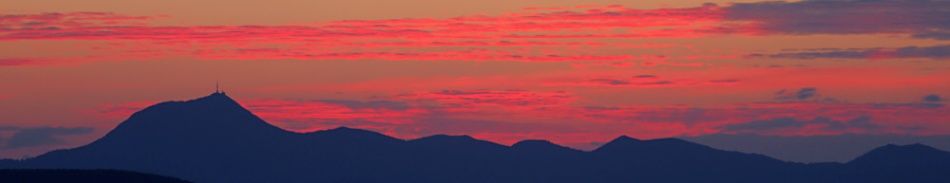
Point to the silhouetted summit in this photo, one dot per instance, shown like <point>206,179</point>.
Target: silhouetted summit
<point>213,139</point>
<point>215,115</point>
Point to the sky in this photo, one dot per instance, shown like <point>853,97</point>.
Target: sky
<point>578,73</point>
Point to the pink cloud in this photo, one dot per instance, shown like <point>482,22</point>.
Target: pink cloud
<point>919,18</point>
<point>415,114</point>
<point>536,34</point>
<point>551,36</point>
<point>927,52</point>
<point>637,81</point>
<point>472,101</point>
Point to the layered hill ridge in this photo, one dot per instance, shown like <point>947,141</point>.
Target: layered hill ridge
<point>214,139</point>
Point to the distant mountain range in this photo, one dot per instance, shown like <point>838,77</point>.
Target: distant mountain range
<point>215,140</point>
<point>814,148</point>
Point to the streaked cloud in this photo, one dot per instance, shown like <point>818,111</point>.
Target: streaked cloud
<point>927,52</point>
<point>539,36</point>
<point>920,18</point>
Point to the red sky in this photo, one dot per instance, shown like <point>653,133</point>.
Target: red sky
<point>577,73</point>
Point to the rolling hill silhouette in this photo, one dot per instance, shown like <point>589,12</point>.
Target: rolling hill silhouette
<point>214,139</point>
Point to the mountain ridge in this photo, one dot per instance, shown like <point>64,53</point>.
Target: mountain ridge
<point>214,139</point>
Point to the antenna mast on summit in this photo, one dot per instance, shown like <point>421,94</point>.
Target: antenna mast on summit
<point>217,88</point>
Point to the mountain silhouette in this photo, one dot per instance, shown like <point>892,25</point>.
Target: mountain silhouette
<point>214,139</point>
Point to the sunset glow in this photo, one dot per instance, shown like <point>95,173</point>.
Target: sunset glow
<point>575,74</point>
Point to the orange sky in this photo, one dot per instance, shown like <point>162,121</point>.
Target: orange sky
<point>575,72</point>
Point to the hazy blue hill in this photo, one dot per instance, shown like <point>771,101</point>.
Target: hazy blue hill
<point>213,139</point>
<point>818,148</point>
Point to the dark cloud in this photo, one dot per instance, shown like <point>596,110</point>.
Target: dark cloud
<point>653,83</point>
<point>806,93</point>
<point>610,81</point>
<point>802,94</point>
<point>40,136</point>
<point>933,35</point>
<point>932,98</point>
<point>932,52</point>
<point>932,101</point>
<point>761,126</point>
<point>920,18</point>
<point>376,104</point>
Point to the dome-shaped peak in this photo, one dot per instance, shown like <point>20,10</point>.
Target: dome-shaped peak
<point>892,153</point>
<point>625,139</point>
<point>620,143</point>
<point>442,137</point>
<point>538,145</point>
<point>891,148</point>
<point>215,115</point>
<point>533,143</point>
<point>343,128</point>
<point>352,134</point>
<point>452,139</point>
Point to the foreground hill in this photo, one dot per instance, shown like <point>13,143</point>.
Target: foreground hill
<point>99,176</point>
<point>214,139</point>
